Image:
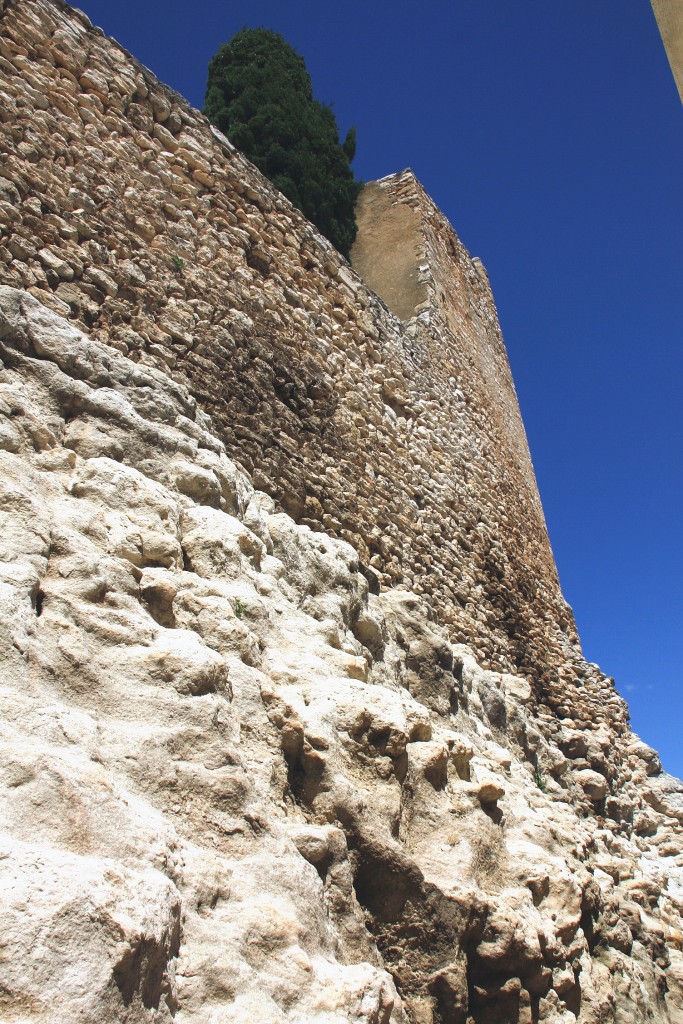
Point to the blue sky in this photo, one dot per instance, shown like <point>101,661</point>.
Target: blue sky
<point>551,135</point>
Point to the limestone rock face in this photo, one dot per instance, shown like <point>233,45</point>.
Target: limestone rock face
<point>237,785</point>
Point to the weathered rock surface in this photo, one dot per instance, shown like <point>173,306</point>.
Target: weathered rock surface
<point>349,766</point>
<point>238,786</point>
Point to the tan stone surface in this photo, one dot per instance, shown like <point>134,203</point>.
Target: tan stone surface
<point>669,15</point>
<point>387,248</point>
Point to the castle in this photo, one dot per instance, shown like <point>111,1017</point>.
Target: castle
<point>297,697</point>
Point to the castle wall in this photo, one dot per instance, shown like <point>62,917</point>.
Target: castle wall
<point>123,210</point>
<point>669,17</point>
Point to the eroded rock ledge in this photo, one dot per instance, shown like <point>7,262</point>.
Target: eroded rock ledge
<point>238,786</point>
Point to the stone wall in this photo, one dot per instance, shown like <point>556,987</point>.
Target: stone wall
<point>123,210</point>
<point>477,422</point>
<point>670,21</point>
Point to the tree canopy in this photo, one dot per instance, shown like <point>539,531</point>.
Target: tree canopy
<point>260,94</point>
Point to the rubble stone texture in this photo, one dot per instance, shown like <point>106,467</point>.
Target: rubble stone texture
<point>296,726</point>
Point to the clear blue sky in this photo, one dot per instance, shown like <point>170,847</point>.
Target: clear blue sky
<point>551,134</point>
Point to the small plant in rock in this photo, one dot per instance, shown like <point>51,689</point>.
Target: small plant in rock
<point>178,263</point>
<point>540,779</point>
<point>488,853</point>
<point>239,608</point>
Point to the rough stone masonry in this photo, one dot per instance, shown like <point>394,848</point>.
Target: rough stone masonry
<point>126,213</point>
<point>296,722</point>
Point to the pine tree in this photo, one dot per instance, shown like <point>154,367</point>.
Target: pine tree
<point>259,94</point>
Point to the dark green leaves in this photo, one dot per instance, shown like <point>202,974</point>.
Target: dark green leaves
<point>259,93</point>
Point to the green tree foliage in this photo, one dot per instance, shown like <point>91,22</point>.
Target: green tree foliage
<point>259,93</point>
